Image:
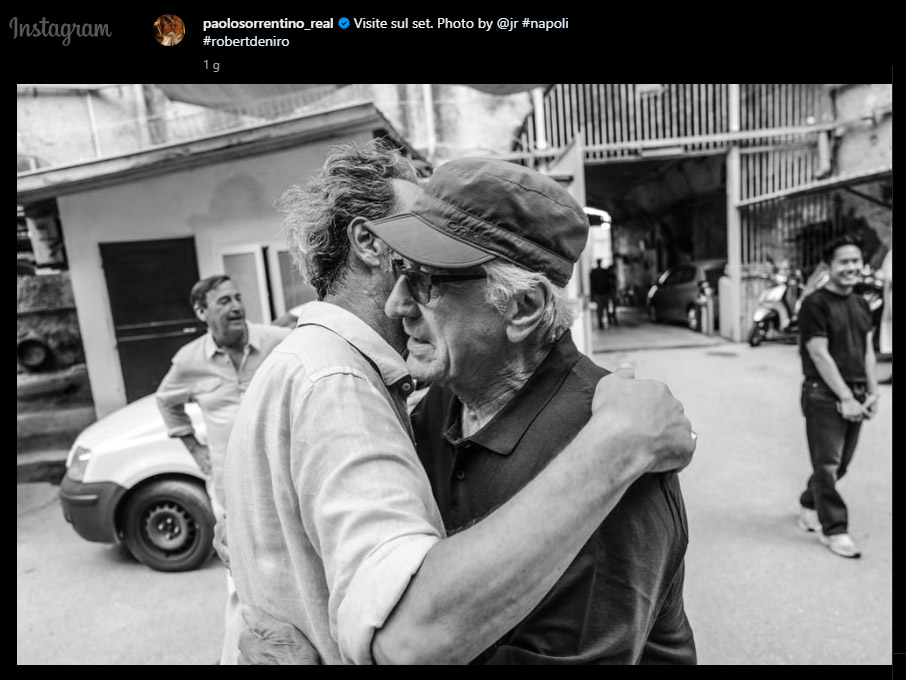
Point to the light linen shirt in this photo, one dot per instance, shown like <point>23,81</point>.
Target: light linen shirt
<point>330,511</point>
<point>204,373</point>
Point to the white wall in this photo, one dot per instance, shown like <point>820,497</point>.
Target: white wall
<point>221,205</point>
<point>867,142</point>
<point>467,122</point>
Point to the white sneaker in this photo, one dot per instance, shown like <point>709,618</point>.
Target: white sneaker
<point>808,520</point>
<point>840,544</point>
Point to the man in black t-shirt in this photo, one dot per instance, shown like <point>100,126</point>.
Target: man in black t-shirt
<point>840,390</point>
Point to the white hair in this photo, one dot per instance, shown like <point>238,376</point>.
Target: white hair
<point>505,281</point>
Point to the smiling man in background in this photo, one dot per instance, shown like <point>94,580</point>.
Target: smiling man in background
<point>214,371</point>
<point>840,390</point>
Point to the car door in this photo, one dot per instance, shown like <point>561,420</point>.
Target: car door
<point>679,291</point>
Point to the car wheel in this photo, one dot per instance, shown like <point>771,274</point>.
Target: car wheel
<point>693,319</point>
<point>653,316</point>
<point>34,354</point>
<point>169,525</point>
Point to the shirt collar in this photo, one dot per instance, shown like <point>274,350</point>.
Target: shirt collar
<point>360,335</point>
<point>506,429</point>
<point>253,340</point>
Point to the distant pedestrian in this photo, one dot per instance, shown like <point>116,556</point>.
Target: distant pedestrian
<point>214,371</point>
<point>840,390</point>
<point>602,286</point>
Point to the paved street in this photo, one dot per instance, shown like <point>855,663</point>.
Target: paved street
<point>758,591</point>
<point>91,603</point>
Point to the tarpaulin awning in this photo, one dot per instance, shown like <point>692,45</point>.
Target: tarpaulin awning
<point>229,96</point>
<point>243,98</point>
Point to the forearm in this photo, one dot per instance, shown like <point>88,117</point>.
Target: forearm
<point>871,370</point>
<point>475,586</point>
<point>830,374</point>
<point>172,395</point>
<point>190,442</point>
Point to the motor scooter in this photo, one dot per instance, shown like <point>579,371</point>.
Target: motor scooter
<point>777,313</point>
<point>778,306</point>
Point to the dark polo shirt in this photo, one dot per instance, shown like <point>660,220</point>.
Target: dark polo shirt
<point>621,600</point>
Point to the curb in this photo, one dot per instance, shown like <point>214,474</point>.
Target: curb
<point>60,420</point>
<point>41,466</point>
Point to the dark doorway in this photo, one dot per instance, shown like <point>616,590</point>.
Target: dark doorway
<point>148,283</point>
<point>664,212</point>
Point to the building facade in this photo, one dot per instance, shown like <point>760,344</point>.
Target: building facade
<point>756,173</point>
<point>140,228</point>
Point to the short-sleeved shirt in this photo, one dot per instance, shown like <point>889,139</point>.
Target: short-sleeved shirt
<point>204,373</point>
<point>845,320</point>
<point>330,512</point>
<point>621,599</point>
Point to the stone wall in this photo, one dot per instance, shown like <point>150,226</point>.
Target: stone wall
<point>46,313</point>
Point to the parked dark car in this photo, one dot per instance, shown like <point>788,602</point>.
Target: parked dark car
<point>673,296</point>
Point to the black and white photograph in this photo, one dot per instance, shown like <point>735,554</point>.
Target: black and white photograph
<point>529,374</point>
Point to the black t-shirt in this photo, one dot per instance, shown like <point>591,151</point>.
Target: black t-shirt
<point>845,321</point>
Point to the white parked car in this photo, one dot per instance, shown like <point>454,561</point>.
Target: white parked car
<point>126,480</point>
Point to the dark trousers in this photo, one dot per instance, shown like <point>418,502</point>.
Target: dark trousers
<point>600,301</point>
<point>612,310</point>
<point>831,443</point>
<point>605,303</point>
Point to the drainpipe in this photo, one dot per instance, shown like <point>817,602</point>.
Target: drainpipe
<point>731,325</point>
<point>538,106</point>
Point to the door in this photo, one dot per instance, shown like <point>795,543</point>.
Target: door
<point>245,265</point>
<point>267,279</point>
<point>289,288</point>
<point>148,283</point>
<point>679,290</point>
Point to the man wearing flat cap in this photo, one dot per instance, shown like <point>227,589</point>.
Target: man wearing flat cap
<point>484,256</point>
<point>334,531</point>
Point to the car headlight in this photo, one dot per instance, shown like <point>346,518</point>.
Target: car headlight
<point>77,464</point>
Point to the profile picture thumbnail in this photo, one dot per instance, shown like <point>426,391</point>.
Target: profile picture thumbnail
<point>169,30</point>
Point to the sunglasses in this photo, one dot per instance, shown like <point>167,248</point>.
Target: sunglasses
<point>420,282</point>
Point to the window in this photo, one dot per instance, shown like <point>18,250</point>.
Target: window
<point>678,275</point>
<point>685,274</point>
